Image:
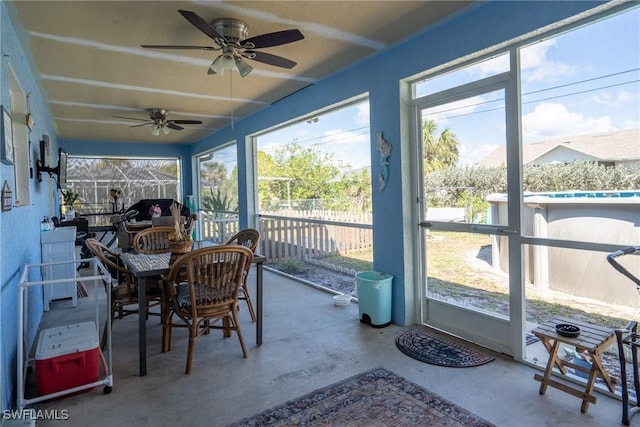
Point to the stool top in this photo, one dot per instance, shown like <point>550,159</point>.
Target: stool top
<point>591,336</point>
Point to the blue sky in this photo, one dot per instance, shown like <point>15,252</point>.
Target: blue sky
<point>582,82</point>
<point>343,132</point>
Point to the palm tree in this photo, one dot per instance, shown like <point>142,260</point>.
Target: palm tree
<point>438,153</point>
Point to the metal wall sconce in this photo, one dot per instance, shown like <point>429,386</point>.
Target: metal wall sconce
<point>41,163</point>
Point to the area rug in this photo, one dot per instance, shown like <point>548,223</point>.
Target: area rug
<point>375,398</point>
<point>422,345</point>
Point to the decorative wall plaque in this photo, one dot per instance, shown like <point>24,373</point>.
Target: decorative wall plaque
<point>385,151</point>
<point>7,197</point>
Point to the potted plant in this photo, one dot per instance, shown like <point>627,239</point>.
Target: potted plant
<point>155,211</point>
<point>68,199</point>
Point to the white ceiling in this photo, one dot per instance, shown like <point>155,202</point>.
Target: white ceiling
<point>92,67</point>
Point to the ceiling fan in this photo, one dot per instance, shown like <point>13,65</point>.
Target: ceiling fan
<point>230,37</point>
<point>158,121</point>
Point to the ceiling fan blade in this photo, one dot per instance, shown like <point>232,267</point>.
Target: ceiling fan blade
<point>201,24</point>
<point>143,124</point>
<point>270,59</point>
<point>186,122</point>
<point>210,71</point>
<point>174,126</point>
<point>166,46</point>
<point>131,118</point>
<point>272,39</point>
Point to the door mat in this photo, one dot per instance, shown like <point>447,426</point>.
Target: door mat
<point>422,345</point>
<point>532,339</point>
<point>374,398</point>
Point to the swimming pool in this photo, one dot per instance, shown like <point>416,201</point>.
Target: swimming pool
<point>587,194</point>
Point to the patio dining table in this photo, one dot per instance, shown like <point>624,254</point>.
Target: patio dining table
<point>145,266</point>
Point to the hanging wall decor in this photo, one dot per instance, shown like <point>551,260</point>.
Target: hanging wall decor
<point>7,138</point>
<point>385,151</point>
<point>7,197</point>
<point>28,119</point>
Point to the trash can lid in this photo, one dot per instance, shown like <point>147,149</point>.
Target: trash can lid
<point>373,275</point>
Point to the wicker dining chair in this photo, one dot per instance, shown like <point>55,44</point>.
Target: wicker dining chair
<point>124,290</point>
<point>249,238</point>
<point>203,285</point>
<point>153,240</point>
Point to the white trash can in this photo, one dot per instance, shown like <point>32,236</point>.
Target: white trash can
<point>374,298</point>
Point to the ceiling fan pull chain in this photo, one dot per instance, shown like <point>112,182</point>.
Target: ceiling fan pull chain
<point>231,92</point>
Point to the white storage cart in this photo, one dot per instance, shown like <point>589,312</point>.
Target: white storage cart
<point>99,276</point>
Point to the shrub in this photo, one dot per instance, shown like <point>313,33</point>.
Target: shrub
<point>469,186</point>
<point>291,266</point>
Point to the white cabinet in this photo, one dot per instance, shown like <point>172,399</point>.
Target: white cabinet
<point>59,245</point>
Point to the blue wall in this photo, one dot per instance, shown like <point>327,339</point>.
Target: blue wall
<point>19,228</point>
<point>480,26</point>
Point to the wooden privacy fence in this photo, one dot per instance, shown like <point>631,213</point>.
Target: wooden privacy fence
<point>218,227</point>
<point>283,238</point>
<point>323,214</point>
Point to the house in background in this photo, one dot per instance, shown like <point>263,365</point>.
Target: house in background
<point>608,149</point>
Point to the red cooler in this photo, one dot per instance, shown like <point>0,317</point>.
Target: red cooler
<point>67,357</point>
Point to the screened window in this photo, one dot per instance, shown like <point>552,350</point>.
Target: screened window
<point>314,191</point>
<point>218,184</point>
<point>320,163</point>
<point>133,179</point>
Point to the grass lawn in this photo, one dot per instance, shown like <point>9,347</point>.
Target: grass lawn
<point>459,269</point>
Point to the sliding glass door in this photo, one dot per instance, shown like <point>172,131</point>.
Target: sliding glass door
<point>528,177</point>
<point>464,243</point>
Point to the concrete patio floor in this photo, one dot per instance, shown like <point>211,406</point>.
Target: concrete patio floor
<point>308,344</point>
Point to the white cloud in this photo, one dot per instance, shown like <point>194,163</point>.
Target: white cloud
<point>457,108</point>
<point>603,98</point>
<point>536,65</point>
<point>362,116</point>
<point>469,154</point>
<point>490,67</point>
<point>549,120</point>
<point>626,97</point>
<point>348,147</point>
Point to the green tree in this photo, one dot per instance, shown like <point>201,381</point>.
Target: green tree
<point>267,169</point>
<point>356,185</point>
<point>306,174</point>
<point>440,150</point>
<point>217,191</point>
<point>313,172</point>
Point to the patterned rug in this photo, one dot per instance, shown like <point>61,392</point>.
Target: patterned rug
<point>375,398</point>
<point>436,350</point>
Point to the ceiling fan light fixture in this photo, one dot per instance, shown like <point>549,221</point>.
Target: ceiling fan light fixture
<point>230,36</point>
<point>243,68</point>
<point>155,130</point>
<point>165,130</point>
<point>223,62</point>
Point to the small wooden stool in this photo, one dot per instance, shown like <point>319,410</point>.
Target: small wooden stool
<point>592,339</point>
